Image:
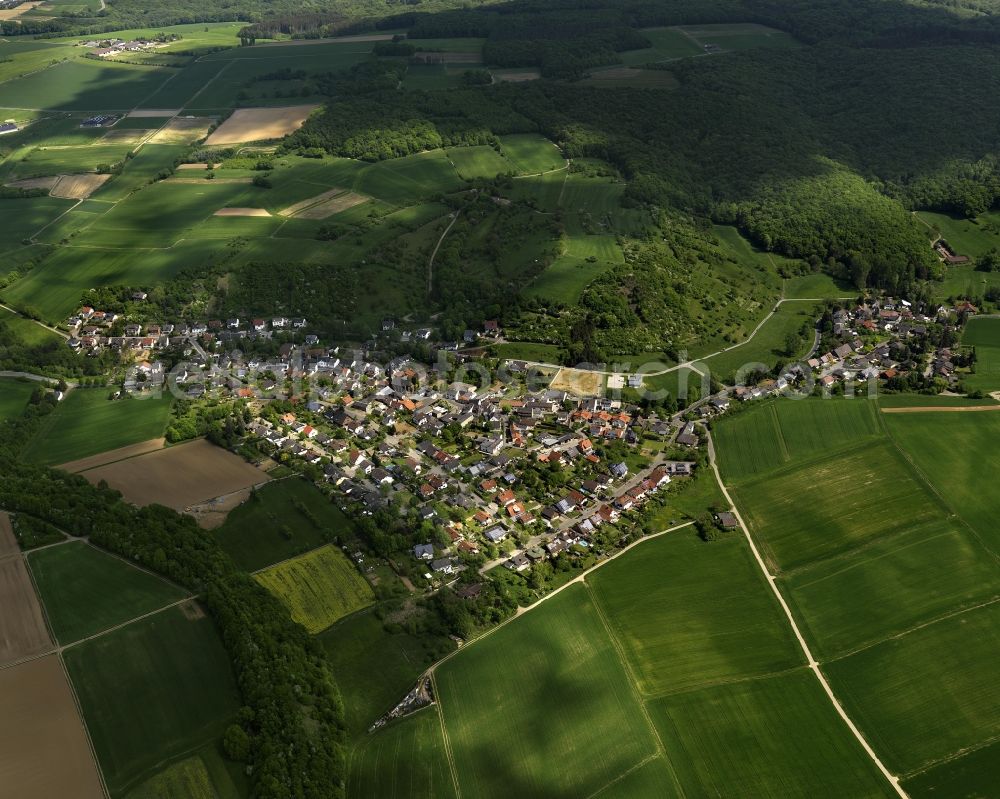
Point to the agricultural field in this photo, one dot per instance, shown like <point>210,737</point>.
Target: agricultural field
<point>531,153</point>
<point>649,675</point>
<point>87,422</point>
<point>550,693</point>
<point>153,692</point>
<point>204,775</point>
<point>283,519</point>
<point>22,218</point>
<point>83,85</point>
<point>14,396</point>
<point>668,44</point>
<point>180,476</point>
<point>833,505</point>
<point>259,124</point>
<point>44,743</point>
<point>949,450</point>
<point>23,633</point>
<point>407,760</point>
<point>359,647</point>
<point>767,435</point>
<point>483,161</point>
<point>318,588</point>
<point>983,334</point>
<point>741,739</point>
<point>647,603</point>
<point>929,694</point>
<point>86,591</point>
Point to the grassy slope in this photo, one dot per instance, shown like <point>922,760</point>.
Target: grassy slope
<point>85,591</point>
<point>14,395</point>
<point>87,423</point>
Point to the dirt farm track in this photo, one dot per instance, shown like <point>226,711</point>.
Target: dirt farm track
<point>944,409</point>
<point>180,476</point>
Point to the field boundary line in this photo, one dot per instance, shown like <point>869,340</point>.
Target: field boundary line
<point>928,483</point>
<point>430,262</point>
<point>704,686</point>
<point>958,753</point>
<point>448,753</point>
<point>633,685</point>
<point>83,723</point>
<point>118,627</point>
<point>917,627</point>
<point>812,662</point>
<point>626,772</point>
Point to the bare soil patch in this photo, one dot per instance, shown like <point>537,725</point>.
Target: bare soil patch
<point>22,626</point>
<point>944,409</point>
<point>179,477</point>
<point>242,212</point>
<point>78,187</point>
<point>153,113</point>
<point>183,130</point>
<point>260,124</point>
<point>113,455</point>
<point>192,611</point>
<point>361,37</point>
<point>44,750</point>
<point>35,183</point>
<point>8,542</point>
<point>578,382</point>
<point>198,166</point>
<point>334,205</point>
<point>125,136</point>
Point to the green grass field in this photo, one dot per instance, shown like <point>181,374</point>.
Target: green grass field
<point>833,505</point>
<point>56,287</point>
<point>738,632</point>
<point>729,37</point>
<point>152,692</point>
<point>318,588</point>
<point>27,332</point>
<point>85,591</point>
<point>24,218</point>
<point>983,334</point>
<point>479,162</point>
<point>14,396</point>
<point>767,435</point>
<point>255,533</point>
<point>206,774</point>
<point>777,736</point>
<point>83,85</point>
<point>376,668</point>
<point>148,163</point>
<point>543,706</point>
<point>407,760</point>
<point>531,153</point>
<point>87,423</point>
<point>929,694</point>
<point>949,450</point>
<point>891,575</point>
<point>976,773</point>
<point>583,258</point>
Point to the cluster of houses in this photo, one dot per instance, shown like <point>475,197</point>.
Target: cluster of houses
<point>456,456</point>
<point>948,255</point>
<point>111,47</point>
<point>90,331</point>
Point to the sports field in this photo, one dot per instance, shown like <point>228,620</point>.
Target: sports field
<point>87,422</point>
<point>279,521</point>
<point>85,591</point>
<point>318,588</point>
<point>152,691</point>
